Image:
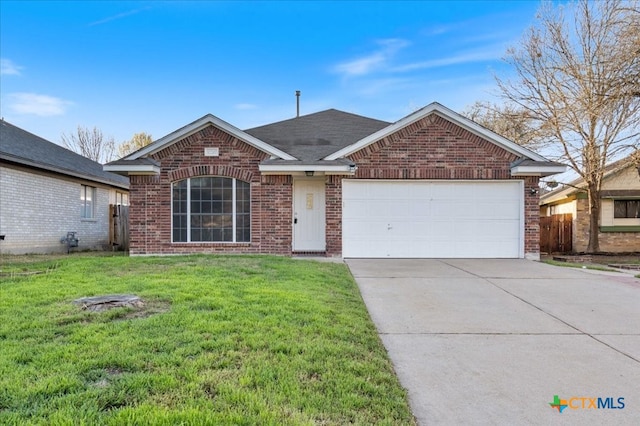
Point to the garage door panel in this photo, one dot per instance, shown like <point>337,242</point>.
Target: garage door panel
<point>444,219</point>
<point>421,204</point>
<point>443,191</point>
<point>498,230</point>
<point>421,191</point>
<point>397,208</point>
<point>362,229</point>
<point>487,210</point>
<point>503,208</point>
<point>358,208</point>
<point>442,230</point>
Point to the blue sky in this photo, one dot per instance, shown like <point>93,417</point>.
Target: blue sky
<point>154,67</point>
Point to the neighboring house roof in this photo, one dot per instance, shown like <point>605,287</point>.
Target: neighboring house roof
<point>578,185</point>
<point>321,141</point>
<point>315,136</point>
<point>21,147</point>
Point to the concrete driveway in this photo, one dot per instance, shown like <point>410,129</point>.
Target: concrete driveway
<point>492,341</point>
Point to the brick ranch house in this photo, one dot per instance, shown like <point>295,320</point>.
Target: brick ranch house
<point>433,184</point>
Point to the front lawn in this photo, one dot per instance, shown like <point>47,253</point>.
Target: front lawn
<point>220,340</point>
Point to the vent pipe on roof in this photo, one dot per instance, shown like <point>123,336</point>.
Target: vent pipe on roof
<point>297,103</point>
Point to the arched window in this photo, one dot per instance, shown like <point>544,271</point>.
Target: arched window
<point>211,209</point>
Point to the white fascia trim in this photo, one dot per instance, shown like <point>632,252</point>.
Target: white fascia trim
<point>537,170</point>
<point>197,125</point>
<point>283,168</point>
<point>138,169</point>
<point>448,114</point>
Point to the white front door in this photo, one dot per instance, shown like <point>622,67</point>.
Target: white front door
<point>308,215</point>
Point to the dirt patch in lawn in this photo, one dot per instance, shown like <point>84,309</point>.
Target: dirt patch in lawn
<point>122,306</point>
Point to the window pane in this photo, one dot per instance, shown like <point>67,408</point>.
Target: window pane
<point>83,202</point>
<point>619,209</point>
<point>87,201</point>
<point>179,206</point>
<point>91,202</point>
<point>179,228</point>
<point>626,209</point>
<point>243,217</point>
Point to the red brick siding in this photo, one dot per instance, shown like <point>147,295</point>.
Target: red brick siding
<point>333,213</point>
<point>432,148</point>
<point>531,216</point>
<point>150,199</point>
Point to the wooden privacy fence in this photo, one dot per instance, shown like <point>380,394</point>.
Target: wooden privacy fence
<point>555,233</point>
<point>119,227</point>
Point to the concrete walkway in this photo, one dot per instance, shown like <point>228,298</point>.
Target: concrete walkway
<point>492,341</point>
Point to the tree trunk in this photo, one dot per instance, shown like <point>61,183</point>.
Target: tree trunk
<point>594,219</point>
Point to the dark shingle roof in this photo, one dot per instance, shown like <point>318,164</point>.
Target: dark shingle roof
<point>314,136</point>
<point>22,147</point>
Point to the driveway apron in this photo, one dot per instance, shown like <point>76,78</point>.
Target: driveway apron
<point>493,341</point>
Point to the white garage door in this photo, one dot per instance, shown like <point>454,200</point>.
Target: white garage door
<point>436,219</point>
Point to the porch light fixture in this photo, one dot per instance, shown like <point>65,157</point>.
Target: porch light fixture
<point>309,173</point>
<point>533,191</point>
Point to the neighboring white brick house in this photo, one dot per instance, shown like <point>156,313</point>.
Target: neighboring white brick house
<point>40,195</point>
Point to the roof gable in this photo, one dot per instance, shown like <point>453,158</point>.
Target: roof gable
<point>22,147</point>
<point>446,113</point>
<point>196,126</point>
<point>314,136</point>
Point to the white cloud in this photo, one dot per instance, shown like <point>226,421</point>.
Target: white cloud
<point>118,16</point>
<point>7,67</point>
<point>379,86</point>
<point>35,104</point>
<point>374,61</point>
<point>481,55</point>
<point>245,106</point>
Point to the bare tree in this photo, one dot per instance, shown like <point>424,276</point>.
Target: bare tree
<point>90,143</point>
<point>139,140</point>
<point>509,121</point>
<point>579,78</point>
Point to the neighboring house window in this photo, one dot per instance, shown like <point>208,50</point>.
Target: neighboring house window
<point>626,209</point>
<point>87,202</point>
<point>211,209</point>
<point>122,199</point>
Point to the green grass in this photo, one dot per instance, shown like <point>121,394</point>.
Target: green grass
<point>221,340</point>
<point>578,265</point>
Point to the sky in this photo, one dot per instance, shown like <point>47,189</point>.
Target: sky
<point>148,66</point>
